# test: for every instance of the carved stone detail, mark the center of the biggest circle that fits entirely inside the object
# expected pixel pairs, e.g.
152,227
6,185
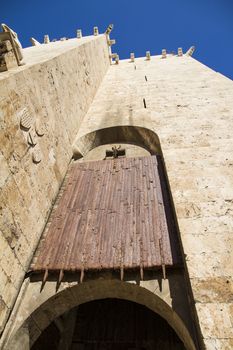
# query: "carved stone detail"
32,141
7,56
33,129
25,119
36,155
9,34
39,127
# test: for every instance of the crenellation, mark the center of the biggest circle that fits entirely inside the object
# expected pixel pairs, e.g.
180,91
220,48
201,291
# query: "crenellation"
180,51
148,55
117,59
79,33
95,31
132,57
164,53
46,39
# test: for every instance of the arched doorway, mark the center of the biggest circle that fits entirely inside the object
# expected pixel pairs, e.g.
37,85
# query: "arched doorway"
130,134
44,308
109,324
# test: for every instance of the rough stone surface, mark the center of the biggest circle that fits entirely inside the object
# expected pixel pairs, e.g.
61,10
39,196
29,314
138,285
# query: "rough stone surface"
46,93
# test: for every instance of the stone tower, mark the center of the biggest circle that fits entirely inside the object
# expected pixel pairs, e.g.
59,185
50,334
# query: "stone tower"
116,198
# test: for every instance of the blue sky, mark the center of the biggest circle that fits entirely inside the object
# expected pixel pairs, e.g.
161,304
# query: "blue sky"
139,25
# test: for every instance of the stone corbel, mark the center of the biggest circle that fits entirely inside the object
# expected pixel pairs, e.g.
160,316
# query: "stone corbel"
111,42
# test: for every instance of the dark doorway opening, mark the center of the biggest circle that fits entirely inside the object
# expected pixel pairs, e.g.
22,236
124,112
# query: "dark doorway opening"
109,324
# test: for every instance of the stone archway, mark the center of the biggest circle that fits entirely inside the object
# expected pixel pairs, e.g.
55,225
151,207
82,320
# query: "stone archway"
109,324
131,134
56,305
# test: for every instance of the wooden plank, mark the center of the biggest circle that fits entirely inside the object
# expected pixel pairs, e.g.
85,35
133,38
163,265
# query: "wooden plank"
112,214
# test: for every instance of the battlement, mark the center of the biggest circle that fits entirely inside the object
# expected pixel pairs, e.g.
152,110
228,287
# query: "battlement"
41,52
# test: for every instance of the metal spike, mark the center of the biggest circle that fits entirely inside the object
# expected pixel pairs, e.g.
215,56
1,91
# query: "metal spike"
122,273
46,273
61,275
141,272
82,275
164,271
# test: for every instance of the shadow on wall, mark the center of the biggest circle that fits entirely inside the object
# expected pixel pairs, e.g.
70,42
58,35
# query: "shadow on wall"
135,135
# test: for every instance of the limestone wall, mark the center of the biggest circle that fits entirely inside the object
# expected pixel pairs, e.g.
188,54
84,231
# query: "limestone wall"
190,107
50,94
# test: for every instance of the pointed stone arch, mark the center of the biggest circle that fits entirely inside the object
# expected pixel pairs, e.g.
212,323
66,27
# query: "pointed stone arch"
56,305
131,134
